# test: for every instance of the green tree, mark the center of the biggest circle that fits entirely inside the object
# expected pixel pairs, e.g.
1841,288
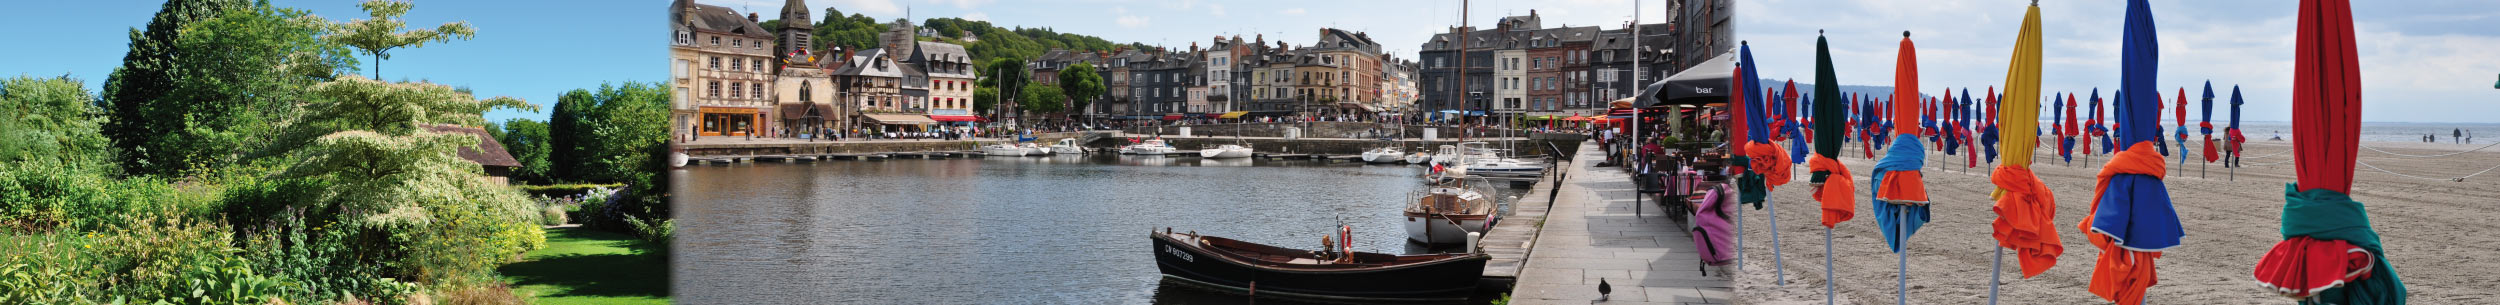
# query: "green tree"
52,121
147,74
239,77
984,99
1010,76
1081,85
566,135
1043,99
527,141
376,171
379,35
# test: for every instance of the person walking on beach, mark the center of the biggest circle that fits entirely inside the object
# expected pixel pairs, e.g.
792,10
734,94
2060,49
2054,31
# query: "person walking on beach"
2458,135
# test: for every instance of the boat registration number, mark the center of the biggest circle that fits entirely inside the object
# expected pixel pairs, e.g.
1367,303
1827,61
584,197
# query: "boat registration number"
1176,252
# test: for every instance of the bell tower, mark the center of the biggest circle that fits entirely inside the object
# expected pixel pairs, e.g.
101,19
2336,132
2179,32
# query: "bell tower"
795,30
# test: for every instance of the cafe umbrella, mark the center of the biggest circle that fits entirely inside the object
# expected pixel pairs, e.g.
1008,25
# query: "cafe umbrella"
2329,253
1900,195
2132,220
1832,185
2026,210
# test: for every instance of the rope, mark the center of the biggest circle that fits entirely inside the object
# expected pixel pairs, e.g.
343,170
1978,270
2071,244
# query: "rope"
2479,173
2430,156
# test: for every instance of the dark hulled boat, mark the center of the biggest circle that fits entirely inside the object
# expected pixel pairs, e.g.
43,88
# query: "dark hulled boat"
1263,270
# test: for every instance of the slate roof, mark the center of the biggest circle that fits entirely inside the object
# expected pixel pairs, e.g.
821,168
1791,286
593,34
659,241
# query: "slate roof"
720,19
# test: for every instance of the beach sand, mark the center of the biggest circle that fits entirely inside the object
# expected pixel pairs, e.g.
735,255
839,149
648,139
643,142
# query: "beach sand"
2437,233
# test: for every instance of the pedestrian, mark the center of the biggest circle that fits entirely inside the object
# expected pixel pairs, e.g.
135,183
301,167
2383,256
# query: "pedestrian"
2458,134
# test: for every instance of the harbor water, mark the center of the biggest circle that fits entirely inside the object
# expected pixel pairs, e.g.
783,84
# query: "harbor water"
1008,230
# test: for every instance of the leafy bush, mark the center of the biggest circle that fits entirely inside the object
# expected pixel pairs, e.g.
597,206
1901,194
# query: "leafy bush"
551,215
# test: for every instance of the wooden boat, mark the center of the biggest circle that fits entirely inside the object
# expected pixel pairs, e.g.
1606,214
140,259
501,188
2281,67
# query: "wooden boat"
1263,270
1445,214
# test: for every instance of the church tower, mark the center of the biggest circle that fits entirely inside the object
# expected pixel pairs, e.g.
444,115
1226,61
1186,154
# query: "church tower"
795,31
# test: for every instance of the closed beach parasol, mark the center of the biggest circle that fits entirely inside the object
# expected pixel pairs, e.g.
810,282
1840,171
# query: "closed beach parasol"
2206,127
2132,218
2231,134
2073,129
1832,185
1900,203
2182,111
1988,124
2329,254
1761,160
1796,129
2065,145
2026,211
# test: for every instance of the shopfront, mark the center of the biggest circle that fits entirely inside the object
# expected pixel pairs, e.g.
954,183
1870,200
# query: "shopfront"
729,121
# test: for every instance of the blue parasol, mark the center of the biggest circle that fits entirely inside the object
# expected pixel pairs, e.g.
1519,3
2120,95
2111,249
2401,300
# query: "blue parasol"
2132,217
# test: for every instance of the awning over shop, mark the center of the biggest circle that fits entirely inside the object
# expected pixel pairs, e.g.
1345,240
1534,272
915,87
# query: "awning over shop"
954,118
803,111
1702,84
1171,117
900,119
1233,115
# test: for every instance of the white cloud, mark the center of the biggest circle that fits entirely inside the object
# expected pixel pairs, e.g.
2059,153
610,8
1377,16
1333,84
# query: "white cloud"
1294,11
1215,8
882,7
977,16
1131,21
962,4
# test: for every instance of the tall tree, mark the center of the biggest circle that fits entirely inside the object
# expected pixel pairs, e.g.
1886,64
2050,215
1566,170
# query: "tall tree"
1081,85
565,134
379,35
147,72
526,140
228,79
1009,75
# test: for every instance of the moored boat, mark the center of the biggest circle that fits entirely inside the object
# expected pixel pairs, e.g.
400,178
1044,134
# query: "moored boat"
1418,157
1148,147
1066,146
1226,151
1384,155
1031,149
1333,274
1445,214
1002,149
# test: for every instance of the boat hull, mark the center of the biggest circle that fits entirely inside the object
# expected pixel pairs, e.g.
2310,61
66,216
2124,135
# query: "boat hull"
1381,158
1433,230
1446,279
1003,151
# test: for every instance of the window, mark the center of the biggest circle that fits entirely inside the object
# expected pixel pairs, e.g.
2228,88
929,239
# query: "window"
715,89
715,62
759,64
715,41
737,42
759,90
737,90
737,65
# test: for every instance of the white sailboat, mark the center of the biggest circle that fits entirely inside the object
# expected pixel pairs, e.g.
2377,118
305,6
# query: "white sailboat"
1148,147
1418,157
1226,151
1384,155
1002,150
1067,146
1031,149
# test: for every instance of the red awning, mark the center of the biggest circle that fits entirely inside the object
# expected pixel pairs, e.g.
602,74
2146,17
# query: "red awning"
1171,117
954,118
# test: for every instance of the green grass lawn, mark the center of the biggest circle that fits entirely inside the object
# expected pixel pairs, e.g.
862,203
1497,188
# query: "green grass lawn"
582,266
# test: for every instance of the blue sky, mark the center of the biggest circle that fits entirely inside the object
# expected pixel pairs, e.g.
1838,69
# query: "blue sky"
1399,25
2421,61
533,50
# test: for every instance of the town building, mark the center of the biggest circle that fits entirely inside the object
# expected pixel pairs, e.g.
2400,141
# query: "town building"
948,76
719,71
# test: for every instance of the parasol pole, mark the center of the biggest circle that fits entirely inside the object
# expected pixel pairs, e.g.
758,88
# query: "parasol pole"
1901,227
1827,266
1996,273
1779,266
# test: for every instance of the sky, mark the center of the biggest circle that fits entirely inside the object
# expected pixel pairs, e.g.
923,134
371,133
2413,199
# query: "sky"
533,50
1400,26
2421,61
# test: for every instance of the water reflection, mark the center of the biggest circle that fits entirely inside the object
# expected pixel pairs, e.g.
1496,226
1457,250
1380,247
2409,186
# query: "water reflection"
1057,229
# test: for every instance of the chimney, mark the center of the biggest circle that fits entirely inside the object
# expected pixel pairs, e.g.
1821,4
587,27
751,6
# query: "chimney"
751,17
1193,47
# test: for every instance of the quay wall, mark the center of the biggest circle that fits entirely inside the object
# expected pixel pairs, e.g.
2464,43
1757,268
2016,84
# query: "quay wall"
828,148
